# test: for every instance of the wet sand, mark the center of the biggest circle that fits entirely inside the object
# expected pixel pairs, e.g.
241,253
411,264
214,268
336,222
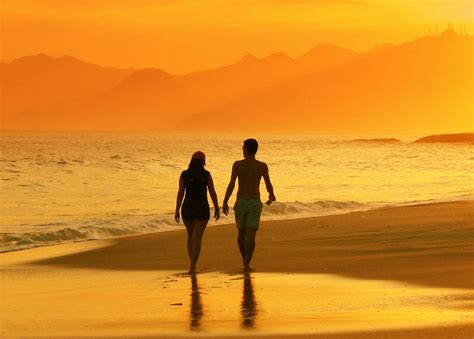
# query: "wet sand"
402,272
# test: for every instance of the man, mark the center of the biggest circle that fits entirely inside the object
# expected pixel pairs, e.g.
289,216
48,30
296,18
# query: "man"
248,206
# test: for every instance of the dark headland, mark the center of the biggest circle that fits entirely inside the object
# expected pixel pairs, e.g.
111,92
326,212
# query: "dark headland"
448,138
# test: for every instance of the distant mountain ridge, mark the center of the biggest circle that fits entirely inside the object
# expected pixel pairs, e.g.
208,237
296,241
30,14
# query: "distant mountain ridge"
409,88
38,90
328,89
43,92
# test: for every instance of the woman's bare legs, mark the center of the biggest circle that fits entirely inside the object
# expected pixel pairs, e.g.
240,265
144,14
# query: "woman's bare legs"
199,226
189,228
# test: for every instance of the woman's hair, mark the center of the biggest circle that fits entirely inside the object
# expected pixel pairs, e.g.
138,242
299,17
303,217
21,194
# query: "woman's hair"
196,165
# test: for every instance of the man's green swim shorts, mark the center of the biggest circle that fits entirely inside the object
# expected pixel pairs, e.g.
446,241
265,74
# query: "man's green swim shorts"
247,213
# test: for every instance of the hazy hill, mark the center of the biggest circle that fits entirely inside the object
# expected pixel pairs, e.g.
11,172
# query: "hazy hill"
148,99
424,85
323,56
420,86
249,74
381,48
40,91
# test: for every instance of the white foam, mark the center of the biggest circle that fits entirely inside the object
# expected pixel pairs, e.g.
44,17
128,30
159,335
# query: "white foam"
117,225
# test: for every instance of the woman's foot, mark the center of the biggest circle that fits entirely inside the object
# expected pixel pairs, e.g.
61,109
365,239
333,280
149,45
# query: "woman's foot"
249,269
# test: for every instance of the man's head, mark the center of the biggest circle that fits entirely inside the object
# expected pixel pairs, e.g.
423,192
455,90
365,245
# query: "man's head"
250,147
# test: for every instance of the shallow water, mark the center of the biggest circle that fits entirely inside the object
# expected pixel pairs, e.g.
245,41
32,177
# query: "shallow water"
59,187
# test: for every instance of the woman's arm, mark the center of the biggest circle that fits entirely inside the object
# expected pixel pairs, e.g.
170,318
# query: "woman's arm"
179,198
213,195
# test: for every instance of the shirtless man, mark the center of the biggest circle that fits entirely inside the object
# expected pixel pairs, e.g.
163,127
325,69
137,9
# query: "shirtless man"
248,206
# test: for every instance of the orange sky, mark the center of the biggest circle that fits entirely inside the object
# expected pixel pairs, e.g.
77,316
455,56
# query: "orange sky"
181,36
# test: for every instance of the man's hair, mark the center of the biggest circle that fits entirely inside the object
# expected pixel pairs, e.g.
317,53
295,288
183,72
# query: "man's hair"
251,145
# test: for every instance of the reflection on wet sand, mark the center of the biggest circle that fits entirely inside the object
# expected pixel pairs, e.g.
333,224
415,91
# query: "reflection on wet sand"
248,307
196,305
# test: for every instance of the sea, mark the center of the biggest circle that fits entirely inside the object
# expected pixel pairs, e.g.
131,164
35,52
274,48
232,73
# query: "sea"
67,187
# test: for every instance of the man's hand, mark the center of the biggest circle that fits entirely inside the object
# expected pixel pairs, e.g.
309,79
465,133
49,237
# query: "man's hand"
225,208
176,216
271,197
217,214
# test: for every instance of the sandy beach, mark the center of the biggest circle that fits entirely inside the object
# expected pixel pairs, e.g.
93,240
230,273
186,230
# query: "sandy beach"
402,272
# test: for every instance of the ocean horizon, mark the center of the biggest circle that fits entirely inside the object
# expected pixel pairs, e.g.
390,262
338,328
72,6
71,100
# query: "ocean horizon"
61,187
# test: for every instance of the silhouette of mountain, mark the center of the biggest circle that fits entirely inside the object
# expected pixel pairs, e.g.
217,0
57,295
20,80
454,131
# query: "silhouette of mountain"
448,138
212,88
39,91
42,92
450,33
148,99
412,88
408,88
381,48
323,56
218,86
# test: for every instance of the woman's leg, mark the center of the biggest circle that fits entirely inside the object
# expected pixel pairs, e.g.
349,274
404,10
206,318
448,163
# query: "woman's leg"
198,231
189,228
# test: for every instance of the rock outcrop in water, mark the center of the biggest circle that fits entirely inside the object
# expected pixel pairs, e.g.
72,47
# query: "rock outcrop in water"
448,138
378,141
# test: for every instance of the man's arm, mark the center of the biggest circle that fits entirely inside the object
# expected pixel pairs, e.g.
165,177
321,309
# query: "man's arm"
268,183
230,189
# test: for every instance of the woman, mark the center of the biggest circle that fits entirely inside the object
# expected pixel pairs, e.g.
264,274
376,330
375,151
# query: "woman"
195,210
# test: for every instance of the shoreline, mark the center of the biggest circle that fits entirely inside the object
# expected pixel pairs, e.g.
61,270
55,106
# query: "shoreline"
180,227
399,272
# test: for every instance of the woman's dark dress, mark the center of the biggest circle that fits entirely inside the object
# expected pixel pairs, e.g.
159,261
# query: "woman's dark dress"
195,205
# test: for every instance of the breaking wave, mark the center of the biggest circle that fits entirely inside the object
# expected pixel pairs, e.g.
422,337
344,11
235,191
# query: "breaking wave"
118,225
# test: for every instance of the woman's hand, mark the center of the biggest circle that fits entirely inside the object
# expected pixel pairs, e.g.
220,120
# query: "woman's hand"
217,214
176,216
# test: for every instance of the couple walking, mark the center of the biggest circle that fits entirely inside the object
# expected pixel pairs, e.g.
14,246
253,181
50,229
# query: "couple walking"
193,186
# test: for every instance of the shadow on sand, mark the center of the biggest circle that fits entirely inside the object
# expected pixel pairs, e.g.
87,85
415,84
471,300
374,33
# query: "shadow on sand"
249,306
196,312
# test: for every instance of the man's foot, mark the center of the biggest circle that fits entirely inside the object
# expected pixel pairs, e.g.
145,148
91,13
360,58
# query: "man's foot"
194,270
249,269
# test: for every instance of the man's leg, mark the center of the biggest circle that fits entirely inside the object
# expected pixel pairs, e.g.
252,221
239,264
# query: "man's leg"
241,241
249,248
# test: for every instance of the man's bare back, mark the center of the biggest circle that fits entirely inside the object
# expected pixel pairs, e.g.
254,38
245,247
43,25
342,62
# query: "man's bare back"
249,172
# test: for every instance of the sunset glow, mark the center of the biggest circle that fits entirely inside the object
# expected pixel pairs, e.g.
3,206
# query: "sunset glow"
180,36
237,168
